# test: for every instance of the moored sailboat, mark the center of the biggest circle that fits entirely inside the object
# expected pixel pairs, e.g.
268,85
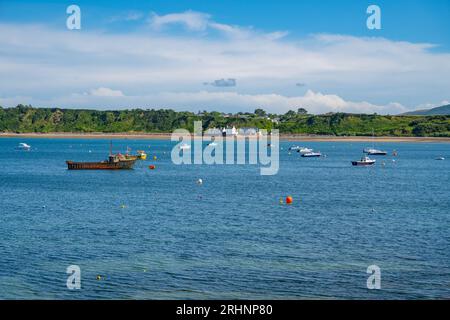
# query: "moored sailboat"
372,151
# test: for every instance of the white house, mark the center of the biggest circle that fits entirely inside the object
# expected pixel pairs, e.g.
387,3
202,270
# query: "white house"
229,131
213,132
246,131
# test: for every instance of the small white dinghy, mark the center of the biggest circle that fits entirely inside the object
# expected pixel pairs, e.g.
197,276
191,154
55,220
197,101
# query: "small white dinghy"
23,146
185,146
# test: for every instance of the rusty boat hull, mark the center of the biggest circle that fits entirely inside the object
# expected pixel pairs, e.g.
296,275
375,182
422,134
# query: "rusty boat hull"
112,164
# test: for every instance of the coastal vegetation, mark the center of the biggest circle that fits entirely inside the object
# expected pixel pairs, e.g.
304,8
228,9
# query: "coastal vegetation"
27,119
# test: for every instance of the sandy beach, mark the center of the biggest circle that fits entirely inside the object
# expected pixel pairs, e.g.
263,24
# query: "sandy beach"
163,136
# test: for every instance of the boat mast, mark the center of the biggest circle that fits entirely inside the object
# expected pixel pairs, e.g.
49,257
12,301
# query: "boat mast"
373,139
110,147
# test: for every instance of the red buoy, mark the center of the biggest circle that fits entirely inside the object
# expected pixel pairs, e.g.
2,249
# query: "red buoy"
289,200
152,167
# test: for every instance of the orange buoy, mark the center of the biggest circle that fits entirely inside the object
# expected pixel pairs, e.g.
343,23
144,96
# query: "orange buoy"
289,200
152,167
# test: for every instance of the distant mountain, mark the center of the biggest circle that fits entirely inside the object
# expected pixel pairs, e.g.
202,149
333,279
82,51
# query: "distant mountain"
443,110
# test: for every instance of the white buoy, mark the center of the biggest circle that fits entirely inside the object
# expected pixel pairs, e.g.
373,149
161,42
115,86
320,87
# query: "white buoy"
199,181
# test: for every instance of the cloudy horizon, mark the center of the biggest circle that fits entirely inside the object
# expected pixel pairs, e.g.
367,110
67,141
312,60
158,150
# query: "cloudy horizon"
191,60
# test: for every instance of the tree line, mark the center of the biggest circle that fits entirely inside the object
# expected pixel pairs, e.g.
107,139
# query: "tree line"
26,119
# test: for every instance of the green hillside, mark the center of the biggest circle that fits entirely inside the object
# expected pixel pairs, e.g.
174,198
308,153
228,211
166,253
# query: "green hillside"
26,119
443,110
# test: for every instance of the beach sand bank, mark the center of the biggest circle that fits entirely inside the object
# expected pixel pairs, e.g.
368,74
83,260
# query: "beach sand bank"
167,136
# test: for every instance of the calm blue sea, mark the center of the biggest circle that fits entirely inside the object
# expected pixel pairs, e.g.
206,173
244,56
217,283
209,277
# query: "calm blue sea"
156,234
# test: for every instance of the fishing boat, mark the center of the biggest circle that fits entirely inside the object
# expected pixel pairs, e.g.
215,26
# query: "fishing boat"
365,161
141,155
114,162
23,146
311,155
130,157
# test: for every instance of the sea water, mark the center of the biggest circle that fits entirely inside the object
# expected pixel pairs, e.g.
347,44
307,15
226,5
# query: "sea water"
157,234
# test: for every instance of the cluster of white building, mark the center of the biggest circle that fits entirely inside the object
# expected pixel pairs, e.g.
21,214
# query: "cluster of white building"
246,131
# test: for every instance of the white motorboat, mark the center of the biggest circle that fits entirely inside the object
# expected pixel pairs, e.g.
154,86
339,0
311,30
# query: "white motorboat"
311,154
365,161
300,149
305,150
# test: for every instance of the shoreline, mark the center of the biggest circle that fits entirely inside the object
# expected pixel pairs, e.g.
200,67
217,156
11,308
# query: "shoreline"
167,136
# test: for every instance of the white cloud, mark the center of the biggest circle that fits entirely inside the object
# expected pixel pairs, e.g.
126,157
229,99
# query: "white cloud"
277,35
151,66
314,102
127,16
431,105
198,21
192,20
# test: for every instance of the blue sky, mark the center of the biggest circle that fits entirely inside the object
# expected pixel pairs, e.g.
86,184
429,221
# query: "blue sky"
408,20
278,54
